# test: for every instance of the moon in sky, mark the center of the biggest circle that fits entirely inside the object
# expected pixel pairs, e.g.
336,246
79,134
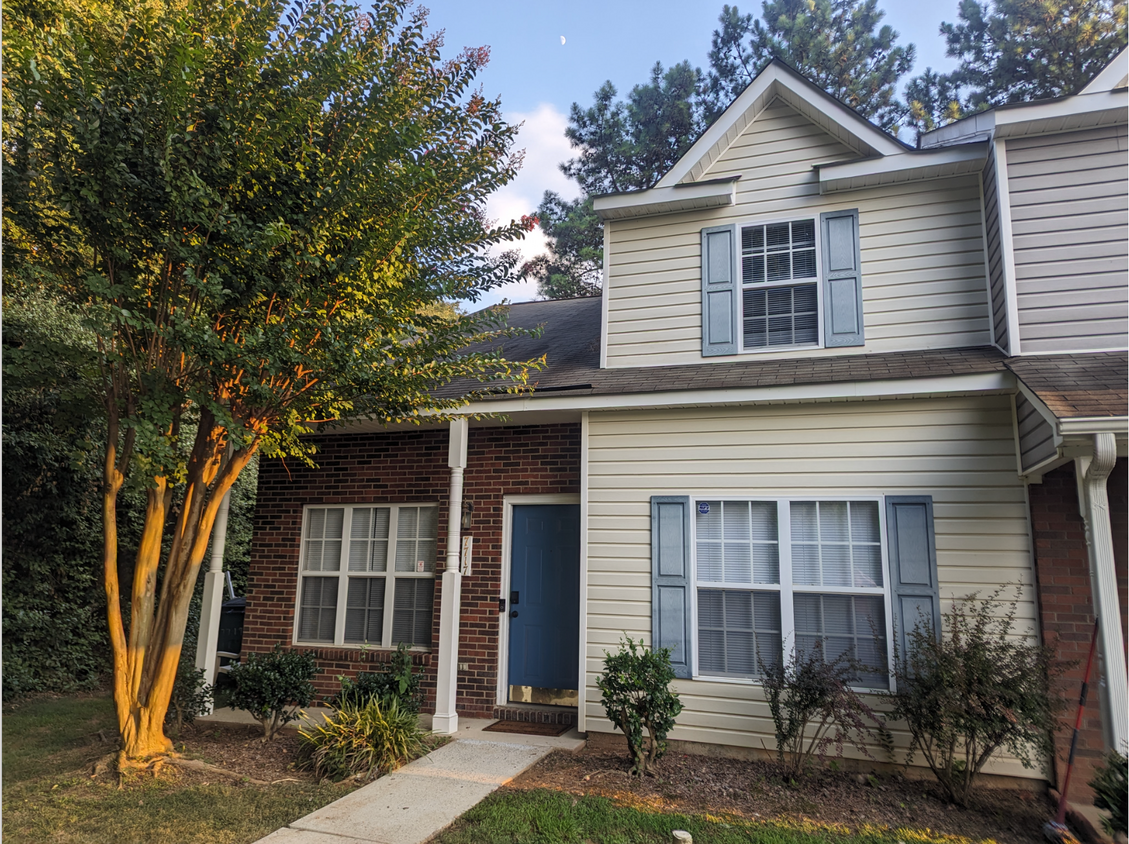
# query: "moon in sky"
562,39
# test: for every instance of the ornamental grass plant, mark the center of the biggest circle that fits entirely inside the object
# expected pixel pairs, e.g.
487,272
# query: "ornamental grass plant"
361,740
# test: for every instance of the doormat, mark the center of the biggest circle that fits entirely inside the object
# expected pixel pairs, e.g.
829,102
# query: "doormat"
528,728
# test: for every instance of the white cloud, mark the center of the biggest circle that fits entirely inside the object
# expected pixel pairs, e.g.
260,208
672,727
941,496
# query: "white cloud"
543,139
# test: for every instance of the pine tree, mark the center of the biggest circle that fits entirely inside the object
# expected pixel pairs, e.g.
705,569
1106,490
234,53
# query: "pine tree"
1014,51
837,44
621,146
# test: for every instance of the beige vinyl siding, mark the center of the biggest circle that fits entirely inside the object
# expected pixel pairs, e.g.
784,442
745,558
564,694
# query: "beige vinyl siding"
1036,436
996,282
922,251
961,451
1070,230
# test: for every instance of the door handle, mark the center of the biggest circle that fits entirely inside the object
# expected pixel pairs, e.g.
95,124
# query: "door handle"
513,614
513,598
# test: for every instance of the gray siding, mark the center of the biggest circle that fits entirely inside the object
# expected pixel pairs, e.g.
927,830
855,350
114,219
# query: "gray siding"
997,285
1070,230
1036,436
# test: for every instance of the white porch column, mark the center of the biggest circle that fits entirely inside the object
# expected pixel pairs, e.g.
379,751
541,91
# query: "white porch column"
1092,475
208,640
446,719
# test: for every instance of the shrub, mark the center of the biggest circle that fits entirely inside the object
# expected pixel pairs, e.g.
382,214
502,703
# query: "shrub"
978,688
273,687
191,696
361,740
636,691
814,709
1110,785
396,682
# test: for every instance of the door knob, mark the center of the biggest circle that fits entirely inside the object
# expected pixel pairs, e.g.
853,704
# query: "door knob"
513,614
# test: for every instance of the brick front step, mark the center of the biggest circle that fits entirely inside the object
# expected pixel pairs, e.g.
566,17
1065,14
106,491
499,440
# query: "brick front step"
536,714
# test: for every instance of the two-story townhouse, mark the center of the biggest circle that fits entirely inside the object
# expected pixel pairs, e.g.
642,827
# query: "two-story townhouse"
791,416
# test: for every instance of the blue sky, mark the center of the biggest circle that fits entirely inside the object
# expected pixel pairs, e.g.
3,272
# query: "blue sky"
538,78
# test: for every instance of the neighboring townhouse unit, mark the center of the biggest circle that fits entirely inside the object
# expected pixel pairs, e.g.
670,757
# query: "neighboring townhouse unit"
832,384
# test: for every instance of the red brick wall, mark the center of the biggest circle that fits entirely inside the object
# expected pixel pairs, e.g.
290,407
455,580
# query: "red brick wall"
389,468
1066,604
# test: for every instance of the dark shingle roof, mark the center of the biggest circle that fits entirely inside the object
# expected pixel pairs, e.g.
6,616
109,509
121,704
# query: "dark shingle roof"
1079,385
1071,385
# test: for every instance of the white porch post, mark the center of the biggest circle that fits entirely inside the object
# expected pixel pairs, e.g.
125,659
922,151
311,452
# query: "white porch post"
446,719
207,643
1094,500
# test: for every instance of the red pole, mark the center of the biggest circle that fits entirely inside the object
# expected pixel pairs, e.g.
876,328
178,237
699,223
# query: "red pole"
1077,726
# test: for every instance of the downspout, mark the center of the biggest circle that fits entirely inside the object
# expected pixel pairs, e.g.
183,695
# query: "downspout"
1092,474
207,641
446,719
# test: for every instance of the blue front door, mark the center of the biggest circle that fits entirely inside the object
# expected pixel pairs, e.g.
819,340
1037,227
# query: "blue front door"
545,597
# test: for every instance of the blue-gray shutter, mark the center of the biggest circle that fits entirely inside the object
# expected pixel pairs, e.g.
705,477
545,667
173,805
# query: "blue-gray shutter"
842,279
670,579
913,565
719,291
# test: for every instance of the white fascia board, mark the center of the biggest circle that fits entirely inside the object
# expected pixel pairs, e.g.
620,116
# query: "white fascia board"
1112,76
1020,119
667,200
942,385
776,74
905,167
1089,425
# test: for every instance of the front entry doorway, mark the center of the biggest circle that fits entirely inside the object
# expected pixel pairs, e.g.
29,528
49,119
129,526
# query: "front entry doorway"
544,604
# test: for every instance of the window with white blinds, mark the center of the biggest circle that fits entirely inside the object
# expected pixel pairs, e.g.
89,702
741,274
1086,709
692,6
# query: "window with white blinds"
779,574
779,285
367,575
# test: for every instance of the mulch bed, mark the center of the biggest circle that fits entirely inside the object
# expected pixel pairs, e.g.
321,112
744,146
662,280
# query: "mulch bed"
241,750
755,790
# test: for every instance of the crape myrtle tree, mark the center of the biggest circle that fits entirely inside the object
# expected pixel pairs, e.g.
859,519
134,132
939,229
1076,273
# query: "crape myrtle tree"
253,202
1013,51
840,45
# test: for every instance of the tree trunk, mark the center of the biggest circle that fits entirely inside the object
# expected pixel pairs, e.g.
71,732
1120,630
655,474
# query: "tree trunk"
146,662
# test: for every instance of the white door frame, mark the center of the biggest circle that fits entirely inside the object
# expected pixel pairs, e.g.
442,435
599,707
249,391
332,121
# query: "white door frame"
508,502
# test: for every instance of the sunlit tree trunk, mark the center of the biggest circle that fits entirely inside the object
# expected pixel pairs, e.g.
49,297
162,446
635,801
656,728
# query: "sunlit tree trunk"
145,658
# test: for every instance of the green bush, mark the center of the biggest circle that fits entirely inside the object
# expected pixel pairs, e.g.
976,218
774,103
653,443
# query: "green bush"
814,709
1110,786
396,682
273,687
982,686
362,741
636,691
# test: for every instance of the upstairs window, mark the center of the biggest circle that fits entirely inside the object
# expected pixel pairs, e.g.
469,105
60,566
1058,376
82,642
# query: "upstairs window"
776,311
367,575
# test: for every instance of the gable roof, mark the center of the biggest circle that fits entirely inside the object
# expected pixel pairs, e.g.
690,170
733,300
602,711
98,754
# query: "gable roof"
1094,384
778,81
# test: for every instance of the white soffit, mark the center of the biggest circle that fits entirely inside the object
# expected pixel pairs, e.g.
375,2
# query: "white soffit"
667,200
905,167
777,80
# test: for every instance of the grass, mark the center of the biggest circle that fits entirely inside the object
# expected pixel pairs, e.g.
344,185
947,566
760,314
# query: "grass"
49,797
551,817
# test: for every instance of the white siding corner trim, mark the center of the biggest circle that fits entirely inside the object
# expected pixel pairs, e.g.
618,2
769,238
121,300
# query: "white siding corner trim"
1007,253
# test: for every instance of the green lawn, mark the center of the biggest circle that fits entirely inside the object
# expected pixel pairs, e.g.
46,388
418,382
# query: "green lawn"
49,797
551,817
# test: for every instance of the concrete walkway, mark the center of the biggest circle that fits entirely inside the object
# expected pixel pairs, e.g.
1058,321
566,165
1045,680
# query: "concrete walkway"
412,804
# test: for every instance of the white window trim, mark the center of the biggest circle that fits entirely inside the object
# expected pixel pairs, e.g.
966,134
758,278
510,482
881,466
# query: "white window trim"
814,215
343,574
787,613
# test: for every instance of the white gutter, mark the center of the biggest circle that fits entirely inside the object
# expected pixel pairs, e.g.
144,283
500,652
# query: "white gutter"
907,167
982,382
1093,500
1086,425
667,200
